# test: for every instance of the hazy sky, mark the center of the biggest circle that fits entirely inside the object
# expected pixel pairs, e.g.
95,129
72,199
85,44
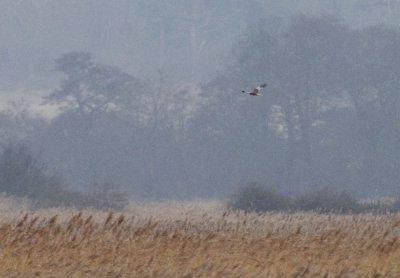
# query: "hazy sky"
191,40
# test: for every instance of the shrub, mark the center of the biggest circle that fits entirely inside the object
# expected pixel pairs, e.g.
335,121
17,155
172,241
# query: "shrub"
23,175
106,195
326,200
395,206
257,197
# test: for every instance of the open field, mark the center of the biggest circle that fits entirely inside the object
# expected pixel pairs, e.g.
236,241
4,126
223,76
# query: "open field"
196,239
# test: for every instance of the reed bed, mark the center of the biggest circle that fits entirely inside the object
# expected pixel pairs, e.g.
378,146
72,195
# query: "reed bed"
197,240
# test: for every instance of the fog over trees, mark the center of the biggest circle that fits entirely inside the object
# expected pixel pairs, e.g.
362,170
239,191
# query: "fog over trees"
148,95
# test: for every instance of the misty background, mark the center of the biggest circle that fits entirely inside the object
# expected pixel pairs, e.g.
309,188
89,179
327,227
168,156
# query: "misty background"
144,96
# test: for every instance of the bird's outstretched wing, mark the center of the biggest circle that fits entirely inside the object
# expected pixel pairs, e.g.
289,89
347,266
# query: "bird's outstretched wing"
260,87
256,91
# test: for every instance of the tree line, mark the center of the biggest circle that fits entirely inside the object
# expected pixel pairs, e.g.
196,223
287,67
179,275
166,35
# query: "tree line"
328,118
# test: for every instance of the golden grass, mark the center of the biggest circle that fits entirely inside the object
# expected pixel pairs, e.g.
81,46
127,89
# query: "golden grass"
197,240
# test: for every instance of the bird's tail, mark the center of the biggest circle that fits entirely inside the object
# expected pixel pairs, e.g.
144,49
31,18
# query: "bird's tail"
243,92
263,85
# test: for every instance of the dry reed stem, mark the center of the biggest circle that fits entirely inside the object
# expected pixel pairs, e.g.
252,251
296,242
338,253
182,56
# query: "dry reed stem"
195,243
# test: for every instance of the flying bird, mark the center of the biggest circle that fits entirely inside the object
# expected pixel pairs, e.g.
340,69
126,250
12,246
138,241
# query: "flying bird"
256,91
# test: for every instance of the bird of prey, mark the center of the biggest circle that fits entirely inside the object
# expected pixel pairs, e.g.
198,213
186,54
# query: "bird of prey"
256,91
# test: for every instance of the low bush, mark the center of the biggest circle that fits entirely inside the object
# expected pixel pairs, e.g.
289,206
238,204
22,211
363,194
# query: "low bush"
395,206
23,175
106,195
326,200
258,197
